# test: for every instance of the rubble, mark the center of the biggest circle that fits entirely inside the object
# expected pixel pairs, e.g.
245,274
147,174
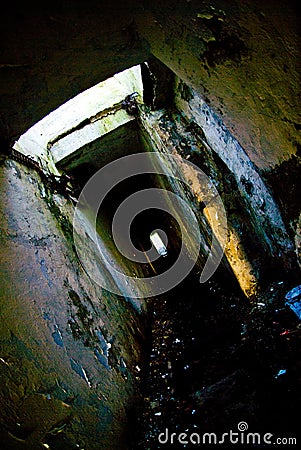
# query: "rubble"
213,372
293,298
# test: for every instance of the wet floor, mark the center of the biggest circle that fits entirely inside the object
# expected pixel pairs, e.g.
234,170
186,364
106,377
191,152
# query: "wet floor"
217,360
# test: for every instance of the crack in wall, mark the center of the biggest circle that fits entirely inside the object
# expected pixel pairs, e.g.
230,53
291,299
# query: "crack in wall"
86,122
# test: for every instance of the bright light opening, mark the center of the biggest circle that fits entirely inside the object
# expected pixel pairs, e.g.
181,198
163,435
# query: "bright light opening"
83,119
158,243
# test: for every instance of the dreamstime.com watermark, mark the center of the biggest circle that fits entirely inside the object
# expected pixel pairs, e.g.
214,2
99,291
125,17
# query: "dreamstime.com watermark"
182,173
240,437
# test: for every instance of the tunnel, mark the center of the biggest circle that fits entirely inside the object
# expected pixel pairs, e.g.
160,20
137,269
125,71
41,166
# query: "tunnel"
150,225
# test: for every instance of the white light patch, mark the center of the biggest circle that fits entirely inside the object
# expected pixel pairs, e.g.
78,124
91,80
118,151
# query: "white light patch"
64,120
158,243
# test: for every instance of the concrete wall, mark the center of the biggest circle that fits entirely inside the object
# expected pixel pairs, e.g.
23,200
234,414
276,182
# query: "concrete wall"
52,52
68,348
241,57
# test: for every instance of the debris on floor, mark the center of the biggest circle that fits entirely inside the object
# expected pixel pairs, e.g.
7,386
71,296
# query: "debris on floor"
206,374
293,298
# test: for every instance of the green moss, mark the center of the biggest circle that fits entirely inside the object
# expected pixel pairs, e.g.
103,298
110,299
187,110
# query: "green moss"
63,222
186,92
82,311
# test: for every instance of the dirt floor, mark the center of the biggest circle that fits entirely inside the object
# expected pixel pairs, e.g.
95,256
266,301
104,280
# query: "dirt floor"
218,360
